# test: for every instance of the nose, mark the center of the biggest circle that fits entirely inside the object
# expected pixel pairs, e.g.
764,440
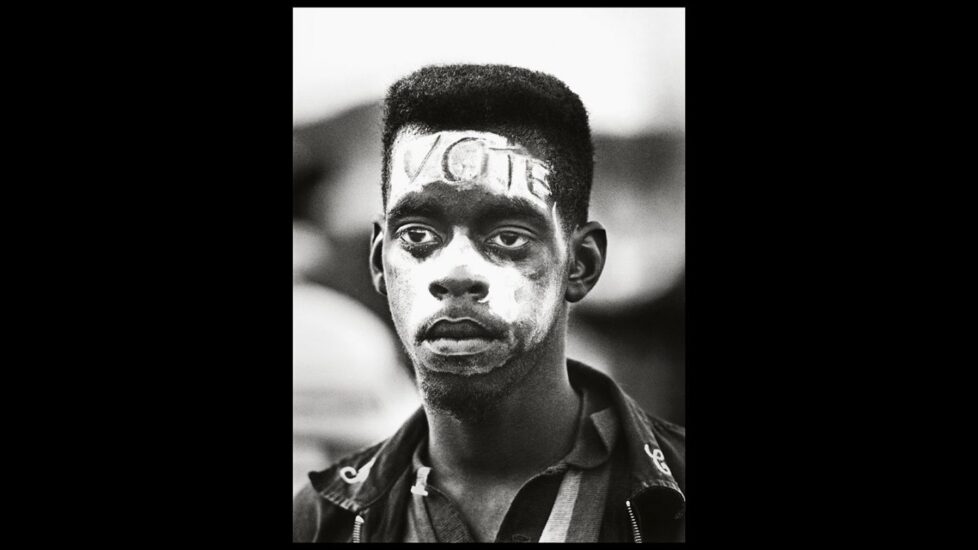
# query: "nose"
459,284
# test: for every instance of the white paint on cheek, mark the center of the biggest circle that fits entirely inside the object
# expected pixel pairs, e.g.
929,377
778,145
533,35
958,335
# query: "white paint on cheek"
423,304
505,300
514,297
504,284
538,308
456,258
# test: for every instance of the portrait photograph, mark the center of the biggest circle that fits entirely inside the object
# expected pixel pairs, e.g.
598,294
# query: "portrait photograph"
489,268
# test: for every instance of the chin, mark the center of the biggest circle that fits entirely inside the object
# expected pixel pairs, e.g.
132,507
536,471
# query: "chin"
484,359
467,387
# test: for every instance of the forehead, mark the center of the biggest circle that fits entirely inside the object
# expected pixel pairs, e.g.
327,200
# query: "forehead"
467,162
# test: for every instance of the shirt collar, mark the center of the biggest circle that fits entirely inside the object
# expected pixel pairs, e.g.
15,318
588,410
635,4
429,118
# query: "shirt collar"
597,433
359,481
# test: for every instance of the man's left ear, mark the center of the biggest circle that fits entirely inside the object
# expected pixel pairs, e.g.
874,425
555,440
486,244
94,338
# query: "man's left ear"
588,248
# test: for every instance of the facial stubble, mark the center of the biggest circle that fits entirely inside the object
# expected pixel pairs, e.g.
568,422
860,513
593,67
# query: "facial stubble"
471,398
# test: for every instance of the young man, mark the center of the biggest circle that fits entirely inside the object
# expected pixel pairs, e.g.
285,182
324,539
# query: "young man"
484,244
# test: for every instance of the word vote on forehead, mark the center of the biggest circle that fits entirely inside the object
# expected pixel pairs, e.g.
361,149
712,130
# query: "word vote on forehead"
470,159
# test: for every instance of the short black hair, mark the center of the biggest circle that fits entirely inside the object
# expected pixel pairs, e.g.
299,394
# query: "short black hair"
532,108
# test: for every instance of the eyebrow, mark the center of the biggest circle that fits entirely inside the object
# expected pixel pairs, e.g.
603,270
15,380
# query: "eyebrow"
415,204
514,207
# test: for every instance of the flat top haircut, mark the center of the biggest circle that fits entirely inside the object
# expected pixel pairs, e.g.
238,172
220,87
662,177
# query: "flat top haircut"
531,108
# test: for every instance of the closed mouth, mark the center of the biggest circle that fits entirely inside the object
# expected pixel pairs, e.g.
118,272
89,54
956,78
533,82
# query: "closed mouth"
459,337
461,329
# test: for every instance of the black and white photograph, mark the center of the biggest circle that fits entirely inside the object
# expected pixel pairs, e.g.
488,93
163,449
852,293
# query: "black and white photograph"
489,274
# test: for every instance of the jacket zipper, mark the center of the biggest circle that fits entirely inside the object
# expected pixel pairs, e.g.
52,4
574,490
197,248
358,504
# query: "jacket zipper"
357,528
636,534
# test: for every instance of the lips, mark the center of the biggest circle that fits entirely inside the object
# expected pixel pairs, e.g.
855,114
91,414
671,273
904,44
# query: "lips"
458,330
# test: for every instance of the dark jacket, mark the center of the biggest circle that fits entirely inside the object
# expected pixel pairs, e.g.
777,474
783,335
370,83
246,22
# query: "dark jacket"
363,497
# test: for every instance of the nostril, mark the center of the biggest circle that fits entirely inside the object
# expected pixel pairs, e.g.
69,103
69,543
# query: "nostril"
479,289
459,287
437,290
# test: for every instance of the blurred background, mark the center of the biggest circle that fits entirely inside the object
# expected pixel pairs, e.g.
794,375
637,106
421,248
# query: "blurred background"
351,381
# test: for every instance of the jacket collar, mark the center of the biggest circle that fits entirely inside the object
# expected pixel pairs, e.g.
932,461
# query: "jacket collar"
651,477
357,482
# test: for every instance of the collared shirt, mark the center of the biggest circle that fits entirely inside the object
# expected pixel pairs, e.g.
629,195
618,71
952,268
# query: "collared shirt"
364,497
564,502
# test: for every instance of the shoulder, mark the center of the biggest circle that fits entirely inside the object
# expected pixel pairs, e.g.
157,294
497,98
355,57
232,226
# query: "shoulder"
669,431
306,505
316,518
307,514
672,440
346,469
671,436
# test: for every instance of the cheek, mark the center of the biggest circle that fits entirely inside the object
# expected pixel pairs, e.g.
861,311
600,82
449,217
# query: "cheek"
407,289
507,295
528,298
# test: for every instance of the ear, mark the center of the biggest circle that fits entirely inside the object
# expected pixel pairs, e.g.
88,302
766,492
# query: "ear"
377,259
588,249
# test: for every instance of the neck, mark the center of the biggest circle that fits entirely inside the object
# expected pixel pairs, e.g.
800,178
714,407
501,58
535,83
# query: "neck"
532,427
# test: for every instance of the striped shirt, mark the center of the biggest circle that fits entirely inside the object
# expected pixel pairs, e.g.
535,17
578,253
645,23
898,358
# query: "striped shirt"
563,503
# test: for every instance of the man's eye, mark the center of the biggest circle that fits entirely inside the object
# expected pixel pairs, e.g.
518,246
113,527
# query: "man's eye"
417,235
508,239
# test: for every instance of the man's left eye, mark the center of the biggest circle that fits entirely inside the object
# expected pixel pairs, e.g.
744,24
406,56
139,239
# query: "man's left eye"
508,239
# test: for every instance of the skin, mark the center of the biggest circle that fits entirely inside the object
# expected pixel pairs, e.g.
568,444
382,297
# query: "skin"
471,234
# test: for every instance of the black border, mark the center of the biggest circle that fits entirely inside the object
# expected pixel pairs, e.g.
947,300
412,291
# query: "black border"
773,448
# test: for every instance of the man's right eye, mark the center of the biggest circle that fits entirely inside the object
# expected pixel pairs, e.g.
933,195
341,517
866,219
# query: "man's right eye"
418,235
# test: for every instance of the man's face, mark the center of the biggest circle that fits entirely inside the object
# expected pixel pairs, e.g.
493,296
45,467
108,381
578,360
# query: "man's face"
474,261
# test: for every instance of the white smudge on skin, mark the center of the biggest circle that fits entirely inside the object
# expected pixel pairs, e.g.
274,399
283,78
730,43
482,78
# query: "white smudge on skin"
418,159
514,296
458,258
